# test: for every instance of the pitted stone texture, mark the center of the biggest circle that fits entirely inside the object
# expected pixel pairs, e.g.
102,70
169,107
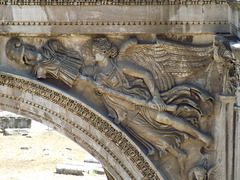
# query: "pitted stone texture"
15,122
115,19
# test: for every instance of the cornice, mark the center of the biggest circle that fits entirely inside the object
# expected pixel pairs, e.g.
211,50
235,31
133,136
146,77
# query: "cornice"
110,23
108,2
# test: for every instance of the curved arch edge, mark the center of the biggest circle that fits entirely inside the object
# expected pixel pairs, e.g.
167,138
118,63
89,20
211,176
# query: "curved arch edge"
22,105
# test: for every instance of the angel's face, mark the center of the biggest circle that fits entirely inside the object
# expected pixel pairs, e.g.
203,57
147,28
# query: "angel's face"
99,57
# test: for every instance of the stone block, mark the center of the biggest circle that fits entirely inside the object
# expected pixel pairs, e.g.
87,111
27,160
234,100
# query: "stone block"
79,168
15,122
90,159
15,132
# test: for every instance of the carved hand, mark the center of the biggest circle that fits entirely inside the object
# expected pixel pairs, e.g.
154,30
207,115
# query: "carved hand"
161,106
159,103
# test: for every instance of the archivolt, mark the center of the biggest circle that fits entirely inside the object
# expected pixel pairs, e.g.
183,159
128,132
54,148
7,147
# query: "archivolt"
69,116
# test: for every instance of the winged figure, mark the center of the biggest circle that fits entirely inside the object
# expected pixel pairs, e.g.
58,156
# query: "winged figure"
137,87
141,71
167,60
201,172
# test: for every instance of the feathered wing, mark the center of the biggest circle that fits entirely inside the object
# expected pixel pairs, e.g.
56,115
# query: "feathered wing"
144,55
215,172
166,59
185,60
86,53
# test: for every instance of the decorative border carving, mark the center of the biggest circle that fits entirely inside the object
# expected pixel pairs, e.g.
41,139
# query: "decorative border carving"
65,129
110,23
108,2
84,113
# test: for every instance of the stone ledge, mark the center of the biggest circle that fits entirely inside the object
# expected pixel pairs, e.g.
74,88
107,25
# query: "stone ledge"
109,2
109,23
91,28
114,19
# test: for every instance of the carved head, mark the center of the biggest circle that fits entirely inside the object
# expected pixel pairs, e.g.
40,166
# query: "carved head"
15,50
21,53
104,47
198,173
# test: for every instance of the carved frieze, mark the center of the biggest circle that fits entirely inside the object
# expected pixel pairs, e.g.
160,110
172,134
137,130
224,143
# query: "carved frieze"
106,19
137,85
111,23
107,2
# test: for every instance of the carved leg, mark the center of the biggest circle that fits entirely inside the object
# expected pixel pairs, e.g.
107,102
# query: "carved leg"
180,155
182,125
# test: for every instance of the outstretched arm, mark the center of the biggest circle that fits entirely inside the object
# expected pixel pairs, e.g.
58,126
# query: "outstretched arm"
139,72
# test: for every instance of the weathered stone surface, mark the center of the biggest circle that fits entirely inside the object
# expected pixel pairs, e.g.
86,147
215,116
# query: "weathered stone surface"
79,168
204,52
107,2
70,169
114,110
90,159
15,122
209,18
15,132
76,126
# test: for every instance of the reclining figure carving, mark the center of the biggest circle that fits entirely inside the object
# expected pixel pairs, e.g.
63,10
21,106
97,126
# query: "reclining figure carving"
136,85
53,59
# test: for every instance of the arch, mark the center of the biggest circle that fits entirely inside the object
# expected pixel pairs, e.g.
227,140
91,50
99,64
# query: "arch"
122,158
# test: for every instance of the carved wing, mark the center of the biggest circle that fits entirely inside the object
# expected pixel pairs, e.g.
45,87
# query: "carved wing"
86,52
215,172
166,59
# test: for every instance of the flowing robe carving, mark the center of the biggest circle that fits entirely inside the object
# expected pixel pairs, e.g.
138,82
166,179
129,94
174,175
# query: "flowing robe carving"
53,59
59,62
138,120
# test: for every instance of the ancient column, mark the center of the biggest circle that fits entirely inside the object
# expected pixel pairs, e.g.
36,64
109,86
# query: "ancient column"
226,139
225,124
235,49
